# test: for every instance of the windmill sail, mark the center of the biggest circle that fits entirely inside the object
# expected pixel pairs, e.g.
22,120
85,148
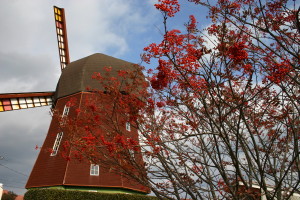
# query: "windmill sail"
62,40
16,101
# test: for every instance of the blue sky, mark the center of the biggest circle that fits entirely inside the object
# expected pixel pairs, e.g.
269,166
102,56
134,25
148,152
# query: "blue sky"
29,60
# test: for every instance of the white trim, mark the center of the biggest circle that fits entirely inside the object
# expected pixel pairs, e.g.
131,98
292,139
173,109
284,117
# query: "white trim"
66,110
128,126
131,153
56,144
94,170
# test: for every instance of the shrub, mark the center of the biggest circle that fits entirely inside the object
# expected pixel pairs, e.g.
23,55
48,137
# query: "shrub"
9,196
59,194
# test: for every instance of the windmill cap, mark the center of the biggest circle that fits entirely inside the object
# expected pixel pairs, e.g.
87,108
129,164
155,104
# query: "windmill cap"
77,76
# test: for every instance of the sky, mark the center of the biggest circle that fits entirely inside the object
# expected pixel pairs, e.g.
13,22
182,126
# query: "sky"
29,61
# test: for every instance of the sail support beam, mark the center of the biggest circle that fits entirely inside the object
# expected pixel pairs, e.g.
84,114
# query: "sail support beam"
17,101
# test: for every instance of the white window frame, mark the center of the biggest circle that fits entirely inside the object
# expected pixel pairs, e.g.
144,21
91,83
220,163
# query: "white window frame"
94,170
66,110
57,143
131,154
128,128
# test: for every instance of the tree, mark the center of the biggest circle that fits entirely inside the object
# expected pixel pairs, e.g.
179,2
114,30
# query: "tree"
9,196
221,117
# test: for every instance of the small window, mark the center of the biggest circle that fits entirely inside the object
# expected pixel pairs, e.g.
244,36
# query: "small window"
127,126
94,170
56,144
131,153
66,110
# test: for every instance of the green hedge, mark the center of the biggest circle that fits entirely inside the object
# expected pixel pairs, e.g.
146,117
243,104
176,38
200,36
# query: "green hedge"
56,194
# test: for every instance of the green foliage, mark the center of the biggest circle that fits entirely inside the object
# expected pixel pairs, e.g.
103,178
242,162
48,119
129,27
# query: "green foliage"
56,194
9,196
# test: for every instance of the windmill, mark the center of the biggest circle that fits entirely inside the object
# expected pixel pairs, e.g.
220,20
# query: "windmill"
51,170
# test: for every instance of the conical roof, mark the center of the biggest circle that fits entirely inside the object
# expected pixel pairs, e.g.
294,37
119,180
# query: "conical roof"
77,76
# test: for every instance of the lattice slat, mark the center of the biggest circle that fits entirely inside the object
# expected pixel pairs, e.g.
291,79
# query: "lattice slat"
62,40
16,101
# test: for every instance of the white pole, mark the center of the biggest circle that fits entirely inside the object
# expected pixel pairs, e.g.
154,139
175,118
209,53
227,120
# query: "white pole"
1,190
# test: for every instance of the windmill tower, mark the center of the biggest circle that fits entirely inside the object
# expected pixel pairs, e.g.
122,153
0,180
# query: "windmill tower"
50,169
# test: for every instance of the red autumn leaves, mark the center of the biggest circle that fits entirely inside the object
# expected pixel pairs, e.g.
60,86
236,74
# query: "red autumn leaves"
182,51
170,7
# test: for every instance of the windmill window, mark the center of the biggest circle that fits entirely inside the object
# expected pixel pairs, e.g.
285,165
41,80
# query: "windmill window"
56,143
131,153
127,126
66,110
94,170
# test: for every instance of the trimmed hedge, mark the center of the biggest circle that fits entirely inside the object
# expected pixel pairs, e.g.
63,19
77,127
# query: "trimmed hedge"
57,194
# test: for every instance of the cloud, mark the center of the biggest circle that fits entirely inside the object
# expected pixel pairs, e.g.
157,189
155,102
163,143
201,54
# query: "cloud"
27,72
108,24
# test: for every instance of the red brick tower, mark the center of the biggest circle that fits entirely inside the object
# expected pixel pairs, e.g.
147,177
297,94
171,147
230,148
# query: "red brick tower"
50,169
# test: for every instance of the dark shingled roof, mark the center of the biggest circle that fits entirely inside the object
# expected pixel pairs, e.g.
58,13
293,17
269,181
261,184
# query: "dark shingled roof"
76,77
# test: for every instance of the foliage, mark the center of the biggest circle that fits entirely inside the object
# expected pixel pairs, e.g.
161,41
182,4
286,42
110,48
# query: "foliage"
222,114
53,194
9,196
